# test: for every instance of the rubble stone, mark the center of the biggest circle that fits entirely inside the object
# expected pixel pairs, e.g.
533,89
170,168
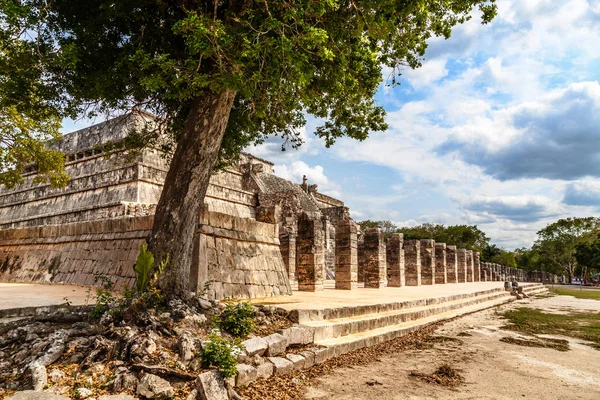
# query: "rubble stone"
154,387
33,395
211,386
246,374
281,366
254,346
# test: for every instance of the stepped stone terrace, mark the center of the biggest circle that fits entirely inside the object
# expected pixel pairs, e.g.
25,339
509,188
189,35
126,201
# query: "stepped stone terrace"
259,235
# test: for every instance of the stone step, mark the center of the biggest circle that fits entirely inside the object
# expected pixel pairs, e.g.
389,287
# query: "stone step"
305,316
332,328
355,341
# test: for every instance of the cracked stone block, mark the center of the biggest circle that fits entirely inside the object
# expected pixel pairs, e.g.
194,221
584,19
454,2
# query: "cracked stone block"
246,374
277,343
309,358
297,360
255,346
211,386
265,370
299,335
281,365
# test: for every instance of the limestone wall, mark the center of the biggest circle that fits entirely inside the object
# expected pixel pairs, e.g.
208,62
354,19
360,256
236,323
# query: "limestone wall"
238,258
73,253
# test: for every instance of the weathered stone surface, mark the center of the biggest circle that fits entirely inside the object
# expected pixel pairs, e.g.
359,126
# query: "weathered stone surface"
33,395
374,259
395,260
125,381
265,370
461,265
476,266
309,358
246,374
211,386
427,262
299,334
346,255
255,346
440,264
451,264
281,366
83,393
412,262
470,270
39,378
277,343
297,359
310,256
187,346
154,387
122,396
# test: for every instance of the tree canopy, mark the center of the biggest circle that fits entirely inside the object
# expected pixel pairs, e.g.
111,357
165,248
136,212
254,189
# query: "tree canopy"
219,75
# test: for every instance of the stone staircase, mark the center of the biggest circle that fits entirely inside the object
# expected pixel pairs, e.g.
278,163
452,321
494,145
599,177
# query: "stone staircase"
349,328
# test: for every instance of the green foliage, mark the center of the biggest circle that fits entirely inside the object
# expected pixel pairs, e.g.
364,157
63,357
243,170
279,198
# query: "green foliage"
557,244
462,236
219,352
146,272
584,326
283,59
579,293
22,144
105,299
237,319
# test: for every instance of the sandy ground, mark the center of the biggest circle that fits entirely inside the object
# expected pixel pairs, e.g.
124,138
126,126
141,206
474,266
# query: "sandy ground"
17,295
492,369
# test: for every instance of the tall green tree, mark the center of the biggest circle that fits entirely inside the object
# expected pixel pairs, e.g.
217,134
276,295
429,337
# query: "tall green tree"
219,74
557,243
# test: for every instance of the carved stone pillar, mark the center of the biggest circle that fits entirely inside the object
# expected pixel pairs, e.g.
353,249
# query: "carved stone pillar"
462,265
451,264
412,262
470,272
346,255
310,255
395,260
440,263
375,263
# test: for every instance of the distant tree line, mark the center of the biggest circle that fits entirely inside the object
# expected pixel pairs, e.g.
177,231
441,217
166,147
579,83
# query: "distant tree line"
569,246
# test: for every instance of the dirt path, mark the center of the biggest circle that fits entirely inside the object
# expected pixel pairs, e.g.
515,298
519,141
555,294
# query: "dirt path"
492,369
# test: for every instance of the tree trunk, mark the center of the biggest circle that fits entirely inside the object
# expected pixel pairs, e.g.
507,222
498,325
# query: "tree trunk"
178,210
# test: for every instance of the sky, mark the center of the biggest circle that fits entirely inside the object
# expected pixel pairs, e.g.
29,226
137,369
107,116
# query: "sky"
499,128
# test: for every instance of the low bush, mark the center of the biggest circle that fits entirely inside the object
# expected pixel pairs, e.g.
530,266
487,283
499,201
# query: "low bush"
237,319
219,352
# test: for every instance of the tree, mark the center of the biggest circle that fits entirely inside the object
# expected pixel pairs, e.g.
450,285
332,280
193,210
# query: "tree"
386,227
587,255
557,243
219,75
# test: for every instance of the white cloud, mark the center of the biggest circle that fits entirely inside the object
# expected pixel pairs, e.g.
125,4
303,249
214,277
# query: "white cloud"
296,170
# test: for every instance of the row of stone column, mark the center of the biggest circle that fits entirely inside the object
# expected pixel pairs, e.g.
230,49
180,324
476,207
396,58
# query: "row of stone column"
380,262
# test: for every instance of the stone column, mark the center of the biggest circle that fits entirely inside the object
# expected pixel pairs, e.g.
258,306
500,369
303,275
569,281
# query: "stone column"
427,262
287,247
440,263
361,257
451,264
461,255
412,262
346,255
395,260
470,273
477,266
375,263
310,253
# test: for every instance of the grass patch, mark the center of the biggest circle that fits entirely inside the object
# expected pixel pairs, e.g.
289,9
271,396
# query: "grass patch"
445,375
584,326
592,294
556,344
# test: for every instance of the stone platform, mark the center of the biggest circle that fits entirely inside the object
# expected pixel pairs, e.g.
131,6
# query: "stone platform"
342,321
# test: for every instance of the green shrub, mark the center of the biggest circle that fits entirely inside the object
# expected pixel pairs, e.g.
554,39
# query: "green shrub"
237,319
219,352
104,297
146,273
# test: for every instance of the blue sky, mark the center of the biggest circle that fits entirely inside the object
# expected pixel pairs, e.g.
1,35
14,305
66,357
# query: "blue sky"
500,128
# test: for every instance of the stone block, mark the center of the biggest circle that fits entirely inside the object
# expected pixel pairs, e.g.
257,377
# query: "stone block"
281,366
265,370
246,374
395,260
309,358
412,262
299,334
277,343
211,386
427,262
297,359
